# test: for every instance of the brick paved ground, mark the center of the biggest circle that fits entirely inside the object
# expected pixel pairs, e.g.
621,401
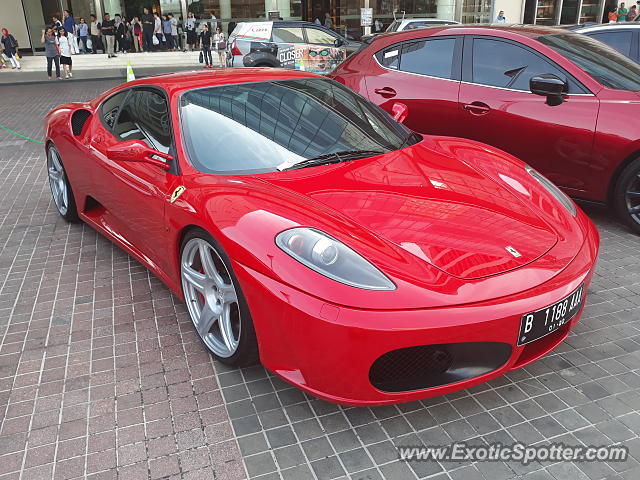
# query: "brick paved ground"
101,374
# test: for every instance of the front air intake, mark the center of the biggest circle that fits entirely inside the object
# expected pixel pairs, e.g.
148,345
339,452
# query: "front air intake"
78,119
427,366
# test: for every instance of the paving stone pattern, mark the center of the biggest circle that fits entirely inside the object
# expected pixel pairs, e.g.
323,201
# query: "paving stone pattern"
102,375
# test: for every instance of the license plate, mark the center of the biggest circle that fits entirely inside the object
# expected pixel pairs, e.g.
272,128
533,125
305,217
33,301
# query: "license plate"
542,322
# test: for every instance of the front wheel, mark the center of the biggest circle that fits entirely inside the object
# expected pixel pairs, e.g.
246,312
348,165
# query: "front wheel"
215,301
60,188
627,195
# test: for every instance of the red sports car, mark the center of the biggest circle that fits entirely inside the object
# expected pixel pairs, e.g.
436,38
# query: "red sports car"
560,101
307,229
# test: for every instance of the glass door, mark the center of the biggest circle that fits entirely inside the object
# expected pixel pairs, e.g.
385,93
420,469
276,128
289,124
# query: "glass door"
546,12
590,10
569,14
476,11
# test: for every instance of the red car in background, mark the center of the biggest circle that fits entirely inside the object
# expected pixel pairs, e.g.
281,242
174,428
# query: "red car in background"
562,102
307,229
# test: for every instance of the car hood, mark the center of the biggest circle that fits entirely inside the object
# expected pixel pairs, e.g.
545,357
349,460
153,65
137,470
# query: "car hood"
432,205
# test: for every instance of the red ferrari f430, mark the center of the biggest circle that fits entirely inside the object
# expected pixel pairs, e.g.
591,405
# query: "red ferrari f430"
306,229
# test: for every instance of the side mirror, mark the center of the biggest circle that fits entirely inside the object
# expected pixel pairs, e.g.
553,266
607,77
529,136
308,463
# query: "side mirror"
138,151
400,112
338,42
550,86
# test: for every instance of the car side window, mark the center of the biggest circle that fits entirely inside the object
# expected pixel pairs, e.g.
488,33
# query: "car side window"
111,107
433,57
389,57
317,36
621,41
416,25
145,116
502,64
287,35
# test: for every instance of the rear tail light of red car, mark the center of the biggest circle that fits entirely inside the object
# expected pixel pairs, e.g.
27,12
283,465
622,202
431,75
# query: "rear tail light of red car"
234,49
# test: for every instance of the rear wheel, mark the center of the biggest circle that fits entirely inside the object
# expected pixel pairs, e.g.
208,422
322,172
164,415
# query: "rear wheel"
215,301
627,195
60,187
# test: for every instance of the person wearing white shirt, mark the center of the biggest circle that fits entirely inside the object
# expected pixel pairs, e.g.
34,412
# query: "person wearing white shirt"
501,18
66,47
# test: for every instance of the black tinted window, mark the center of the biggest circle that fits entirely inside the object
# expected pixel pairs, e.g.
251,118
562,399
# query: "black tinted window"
145,116
111,107
429,57
502,64
621,41
604,64
267,126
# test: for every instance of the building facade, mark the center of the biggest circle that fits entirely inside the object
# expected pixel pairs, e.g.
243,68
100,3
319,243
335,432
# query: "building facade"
26,18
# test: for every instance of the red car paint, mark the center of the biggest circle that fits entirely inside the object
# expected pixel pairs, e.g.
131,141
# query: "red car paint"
435,217
581,145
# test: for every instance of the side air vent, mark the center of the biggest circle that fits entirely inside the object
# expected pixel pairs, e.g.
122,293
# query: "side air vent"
78,119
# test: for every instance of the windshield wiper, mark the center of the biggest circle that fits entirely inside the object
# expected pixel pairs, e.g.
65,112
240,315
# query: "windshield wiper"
333,157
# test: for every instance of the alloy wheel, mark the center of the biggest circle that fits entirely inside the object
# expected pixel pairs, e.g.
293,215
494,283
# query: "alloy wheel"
211,297
57,181
632,198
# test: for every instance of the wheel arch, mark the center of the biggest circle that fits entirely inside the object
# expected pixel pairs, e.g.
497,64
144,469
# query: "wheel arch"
617,172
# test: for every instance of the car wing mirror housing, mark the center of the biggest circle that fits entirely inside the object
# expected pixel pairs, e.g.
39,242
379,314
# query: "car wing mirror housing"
138,151
399,112
550,86
338,42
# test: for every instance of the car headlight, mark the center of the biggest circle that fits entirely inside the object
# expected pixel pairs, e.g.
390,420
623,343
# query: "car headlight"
331,258
553,190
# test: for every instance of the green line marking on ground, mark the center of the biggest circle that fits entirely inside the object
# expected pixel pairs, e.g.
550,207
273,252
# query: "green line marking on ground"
2,127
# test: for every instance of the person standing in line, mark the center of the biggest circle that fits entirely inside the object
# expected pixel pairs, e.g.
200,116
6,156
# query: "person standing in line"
328,23
136,34
192,37
108,33
10,46
205,45
166,31
174,30
55,22
65,46
51,51
622,13
157,29
220,45
83,32
118,30
147,30
69,24
94,31
501,18
633,13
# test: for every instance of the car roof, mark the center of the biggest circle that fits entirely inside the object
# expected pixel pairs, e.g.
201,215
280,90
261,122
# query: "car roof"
285,23
609,26
189,80
529,31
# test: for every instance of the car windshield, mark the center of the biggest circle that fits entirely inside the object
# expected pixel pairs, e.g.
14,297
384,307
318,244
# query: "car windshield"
602,62
394,26
269,126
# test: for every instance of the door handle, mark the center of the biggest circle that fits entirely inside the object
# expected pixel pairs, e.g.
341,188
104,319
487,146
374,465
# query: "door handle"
386,92
477,108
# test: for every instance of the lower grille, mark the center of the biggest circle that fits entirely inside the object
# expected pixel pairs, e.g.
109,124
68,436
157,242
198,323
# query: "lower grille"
426,366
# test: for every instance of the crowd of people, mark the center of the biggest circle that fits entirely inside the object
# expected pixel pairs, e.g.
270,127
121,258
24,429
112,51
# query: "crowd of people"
623,14
149,32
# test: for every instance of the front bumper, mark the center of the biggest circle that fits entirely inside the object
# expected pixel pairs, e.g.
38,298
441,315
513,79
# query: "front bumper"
328,350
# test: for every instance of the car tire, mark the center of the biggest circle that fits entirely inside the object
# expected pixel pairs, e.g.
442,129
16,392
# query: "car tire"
627,195
61,190
211,287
